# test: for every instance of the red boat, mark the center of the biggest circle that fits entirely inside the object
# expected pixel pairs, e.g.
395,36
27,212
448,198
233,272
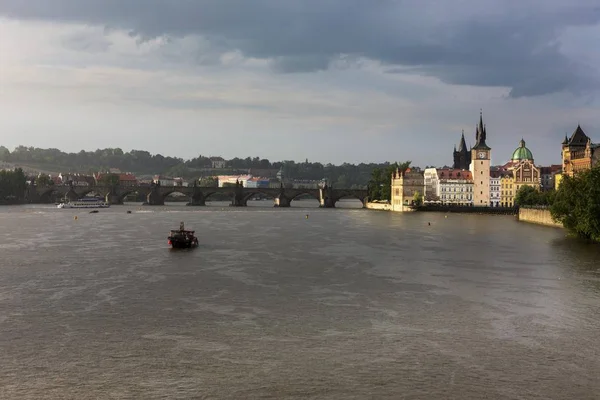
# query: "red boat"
182,239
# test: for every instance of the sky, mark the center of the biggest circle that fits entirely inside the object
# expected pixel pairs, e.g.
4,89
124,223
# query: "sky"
325,80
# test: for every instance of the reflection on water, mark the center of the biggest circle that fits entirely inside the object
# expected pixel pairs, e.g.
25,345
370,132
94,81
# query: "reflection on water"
344,304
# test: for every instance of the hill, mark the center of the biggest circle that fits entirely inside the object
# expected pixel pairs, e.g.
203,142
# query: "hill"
140,162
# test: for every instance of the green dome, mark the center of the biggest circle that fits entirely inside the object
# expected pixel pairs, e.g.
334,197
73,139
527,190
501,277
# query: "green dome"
522,152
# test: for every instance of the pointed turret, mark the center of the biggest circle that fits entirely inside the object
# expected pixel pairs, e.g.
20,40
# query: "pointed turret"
481,134
462,145
566,141
481,127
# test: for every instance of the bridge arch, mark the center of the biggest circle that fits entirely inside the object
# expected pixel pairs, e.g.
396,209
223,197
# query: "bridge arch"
46,195
249,193
85,192
139,191
304,193
176,189
349,195
228,193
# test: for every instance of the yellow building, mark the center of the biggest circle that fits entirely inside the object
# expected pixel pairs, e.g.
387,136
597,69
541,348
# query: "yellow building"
507,190
405,184
557,181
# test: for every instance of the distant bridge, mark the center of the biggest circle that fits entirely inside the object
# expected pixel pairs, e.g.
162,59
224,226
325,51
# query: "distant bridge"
155,195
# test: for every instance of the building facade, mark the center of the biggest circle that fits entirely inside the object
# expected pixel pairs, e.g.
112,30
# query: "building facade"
228,180
431,181
525,172
548,176
579,153
495,188
405,185
480,167
450,186
507,191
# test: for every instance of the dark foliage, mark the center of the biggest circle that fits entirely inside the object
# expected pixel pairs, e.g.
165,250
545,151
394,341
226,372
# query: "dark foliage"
12,186
577,204
529,196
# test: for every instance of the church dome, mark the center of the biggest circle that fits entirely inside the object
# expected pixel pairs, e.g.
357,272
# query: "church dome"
522,152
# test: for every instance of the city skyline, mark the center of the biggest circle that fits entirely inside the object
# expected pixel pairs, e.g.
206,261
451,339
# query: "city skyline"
332,82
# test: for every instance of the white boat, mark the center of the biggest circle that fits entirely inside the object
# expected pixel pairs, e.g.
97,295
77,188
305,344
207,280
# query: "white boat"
85,203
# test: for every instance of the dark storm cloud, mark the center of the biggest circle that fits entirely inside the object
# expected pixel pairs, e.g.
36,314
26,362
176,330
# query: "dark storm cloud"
483,43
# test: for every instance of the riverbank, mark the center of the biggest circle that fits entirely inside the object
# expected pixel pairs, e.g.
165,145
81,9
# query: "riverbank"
538,215
467,209
379,206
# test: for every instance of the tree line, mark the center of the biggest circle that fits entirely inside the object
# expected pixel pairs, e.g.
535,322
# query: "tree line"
143,163
576,203
13,185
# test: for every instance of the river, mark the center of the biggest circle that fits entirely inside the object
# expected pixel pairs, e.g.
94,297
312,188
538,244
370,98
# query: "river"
298,303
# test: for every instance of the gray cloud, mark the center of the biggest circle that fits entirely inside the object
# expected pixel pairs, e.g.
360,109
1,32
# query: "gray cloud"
474,42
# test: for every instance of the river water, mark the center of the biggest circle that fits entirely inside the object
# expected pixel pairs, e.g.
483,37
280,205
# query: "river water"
298,303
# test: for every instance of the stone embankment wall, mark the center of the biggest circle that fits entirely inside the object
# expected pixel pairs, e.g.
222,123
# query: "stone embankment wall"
379,206
537,216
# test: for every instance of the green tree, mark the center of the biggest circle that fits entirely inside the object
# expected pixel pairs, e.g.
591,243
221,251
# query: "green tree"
109,180
208,181
380,185
418,198
4,154
529,196
44,180
577,204
13,185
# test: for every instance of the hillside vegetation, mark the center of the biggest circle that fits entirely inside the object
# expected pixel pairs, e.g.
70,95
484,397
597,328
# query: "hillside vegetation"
142,162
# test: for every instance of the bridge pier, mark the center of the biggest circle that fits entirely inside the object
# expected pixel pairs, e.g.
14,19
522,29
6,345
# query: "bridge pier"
281,201
238,199
113,198
154,198
32,196
326,198
197,201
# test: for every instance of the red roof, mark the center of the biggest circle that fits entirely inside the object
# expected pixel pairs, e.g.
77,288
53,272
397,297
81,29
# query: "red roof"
449,173
127,177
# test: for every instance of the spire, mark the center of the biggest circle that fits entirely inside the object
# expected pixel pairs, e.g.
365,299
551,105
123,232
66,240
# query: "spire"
463,145
481,127
566,141
481,134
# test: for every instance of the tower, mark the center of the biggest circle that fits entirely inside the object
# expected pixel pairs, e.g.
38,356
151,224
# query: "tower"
462,156
480,166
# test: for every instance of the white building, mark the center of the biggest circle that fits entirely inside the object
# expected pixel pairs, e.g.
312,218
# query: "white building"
218,162
164,180
448,186
431,184
226,180
495,188
454,186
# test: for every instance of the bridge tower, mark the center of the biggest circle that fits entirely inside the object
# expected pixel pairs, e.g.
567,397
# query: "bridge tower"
238,196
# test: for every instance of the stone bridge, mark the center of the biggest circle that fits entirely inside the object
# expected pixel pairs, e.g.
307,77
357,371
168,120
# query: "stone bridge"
155,195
